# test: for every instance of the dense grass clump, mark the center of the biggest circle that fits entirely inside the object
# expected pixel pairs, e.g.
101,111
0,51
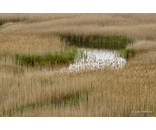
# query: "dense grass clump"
98,46
93,40
48,58
127,53
10,20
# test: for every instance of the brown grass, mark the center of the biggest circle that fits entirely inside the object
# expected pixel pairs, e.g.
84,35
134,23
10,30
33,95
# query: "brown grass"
143,45
29,43
38,17
136,26
115,92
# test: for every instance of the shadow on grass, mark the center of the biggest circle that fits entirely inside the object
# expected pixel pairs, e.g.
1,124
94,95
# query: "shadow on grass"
67,100
96,40
11,20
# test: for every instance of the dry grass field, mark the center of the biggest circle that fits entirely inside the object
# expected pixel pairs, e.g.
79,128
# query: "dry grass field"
37,91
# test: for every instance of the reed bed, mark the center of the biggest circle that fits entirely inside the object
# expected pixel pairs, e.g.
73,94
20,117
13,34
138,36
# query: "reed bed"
38,17
97,39
135,26
38,91
48,58
35,49
11,21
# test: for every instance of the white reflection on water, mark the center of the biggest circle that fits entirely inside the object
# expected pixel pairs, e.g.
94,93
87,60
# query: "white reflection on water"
97,59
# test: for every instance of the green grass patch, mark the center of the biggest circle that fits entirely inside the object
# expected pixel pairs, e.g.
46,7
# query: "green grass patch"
127,53
64,57
96,40
98,46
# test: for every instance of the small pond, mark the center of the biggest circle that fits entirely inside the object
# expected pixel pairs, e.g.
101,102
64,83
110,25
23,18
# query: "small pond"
96,59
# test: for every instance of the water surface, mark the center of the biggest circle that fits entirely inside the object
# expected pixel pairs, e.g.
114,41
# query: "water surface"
96,59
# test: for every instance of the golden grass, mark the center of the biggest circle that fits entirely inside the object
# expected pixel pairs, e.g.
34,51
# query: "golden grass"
143,45
37,17
136,26
115,92
29,43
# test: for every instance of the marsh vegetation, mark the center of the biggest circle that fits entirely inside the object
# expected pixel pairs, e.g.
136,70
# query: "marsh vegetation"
41,90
